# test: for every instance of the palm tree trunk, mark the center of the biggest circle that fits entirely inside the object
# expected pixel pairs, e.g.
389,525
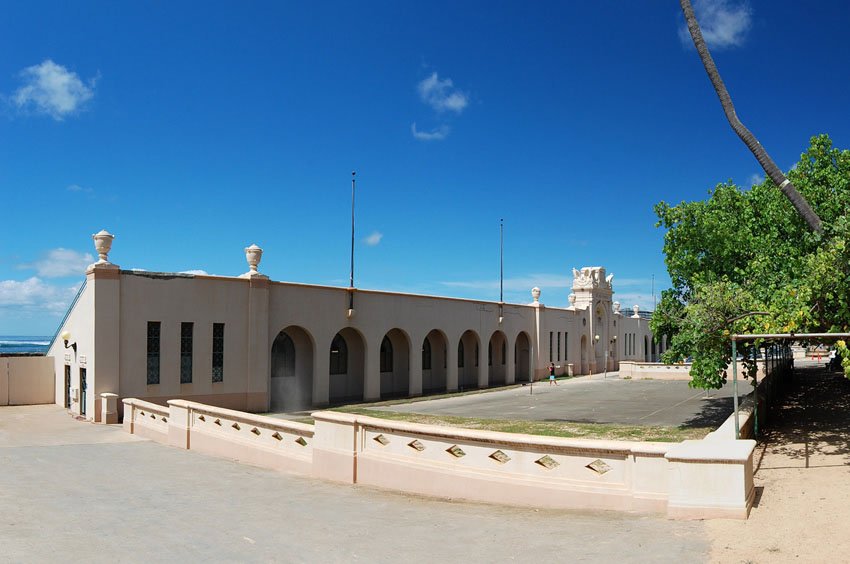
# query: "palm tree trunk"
797,200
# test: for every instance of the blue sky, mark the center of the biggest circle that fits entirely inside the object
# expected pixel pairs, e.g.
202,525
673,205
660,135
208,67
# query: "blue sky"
191,130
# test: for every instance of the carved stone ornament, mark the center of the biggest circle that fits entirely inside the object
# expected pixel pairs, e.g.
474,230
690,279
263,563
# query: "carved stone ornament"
535,294
636,309
572,298
103,244
253,255
591,277
616,307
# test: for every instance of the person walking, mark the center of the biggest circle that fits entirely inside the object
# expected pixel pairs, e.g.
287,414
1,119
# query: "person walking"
552,374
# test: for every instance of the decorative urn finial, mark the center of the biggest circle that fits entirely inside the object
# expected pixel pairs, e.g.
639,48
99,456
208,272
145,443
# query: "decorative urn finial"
253,255
535,293
572,298
616,307
636,309
102,244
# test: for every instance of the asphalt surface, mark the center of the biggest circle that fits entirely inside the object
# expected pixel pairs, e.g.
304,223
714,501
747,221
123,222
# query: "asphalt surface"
75,490
593,400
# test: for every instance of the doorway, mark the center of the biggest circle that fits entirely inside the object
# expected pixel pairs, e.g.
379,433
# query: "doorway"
82,391
67,387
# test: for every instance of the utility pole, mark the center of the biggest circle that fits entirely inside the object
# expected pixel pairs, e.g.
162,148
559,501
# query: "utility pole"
351,277
501,269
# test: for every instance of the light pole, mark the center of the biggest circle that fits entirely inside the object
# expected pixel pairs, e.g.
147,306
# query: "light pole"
607,352
501,269
351,277
595,343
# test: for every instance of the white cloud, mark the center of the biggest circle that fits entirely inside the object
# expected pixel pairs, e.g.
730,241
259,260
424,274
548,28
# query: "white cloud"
60,262
628,299
723,23
76,188
53,90
519,284
441,95
374,238
437,134
195,271
755,179
35,295
543,281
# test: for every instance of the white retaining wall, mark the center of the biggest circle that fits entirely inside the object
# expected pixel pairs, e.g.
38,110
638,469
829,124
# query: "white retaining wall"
693,479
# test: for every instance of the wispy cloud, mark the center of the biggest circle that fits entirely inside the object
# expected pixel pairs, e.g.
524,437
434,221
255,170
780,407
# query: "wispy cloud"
34,294
441,94
543,281
628,299
374,238
77,189
60,262
195,271
723,23
51,89
518,284
754,179
436,134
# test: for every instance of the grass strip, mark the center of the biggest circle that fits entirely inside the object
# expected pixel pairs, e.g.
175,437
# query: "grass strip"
568,429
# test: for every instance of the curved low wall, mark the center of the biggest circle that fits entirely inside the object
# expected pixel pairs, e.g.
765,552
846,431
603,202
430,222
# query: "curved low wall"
692,479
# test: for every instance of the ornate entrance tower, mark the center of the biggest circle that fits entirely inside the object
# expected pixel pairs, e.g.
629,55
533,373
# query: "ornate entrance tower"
593,291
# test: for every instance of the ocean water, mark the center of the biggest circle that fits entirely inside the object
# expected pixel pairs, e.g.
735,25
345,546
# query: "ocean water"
25,344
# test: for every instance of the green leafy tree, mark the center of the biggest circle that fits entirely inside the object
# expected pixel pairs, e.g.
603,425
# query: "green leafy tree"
748,249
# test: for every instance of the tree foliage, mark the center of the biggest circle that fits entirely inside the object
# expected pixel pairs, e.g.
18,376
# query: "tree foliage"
748,249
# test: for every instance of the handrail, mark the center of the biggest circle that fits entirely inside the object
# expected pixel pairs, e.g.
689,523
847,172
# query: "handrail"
68,313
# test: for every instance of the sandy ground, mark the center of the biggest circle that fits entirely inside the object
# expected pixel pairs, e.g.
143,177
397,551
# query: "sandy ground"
802,481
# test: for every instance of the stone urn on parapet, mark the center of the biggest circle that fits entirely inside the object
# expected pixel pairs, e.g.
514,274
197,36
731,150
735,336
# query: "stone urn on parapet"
102,244
253,255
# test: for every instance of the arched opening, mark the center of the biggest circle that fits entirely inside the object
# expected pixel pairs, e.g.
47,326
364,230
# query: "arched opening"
646,349
522,357
467,360
347,361
585,367
434,366
654,354
496,359
395,364
291,386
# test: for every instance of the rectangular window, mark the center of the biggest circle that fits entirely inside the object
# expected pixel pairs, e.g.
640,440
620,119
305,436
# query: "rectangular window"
153,352
566,338
218,353
550,346
186,330
559,346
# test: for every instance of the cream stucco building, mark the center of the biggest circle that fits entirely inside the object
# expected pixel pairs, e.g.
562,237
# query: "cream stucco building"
253,344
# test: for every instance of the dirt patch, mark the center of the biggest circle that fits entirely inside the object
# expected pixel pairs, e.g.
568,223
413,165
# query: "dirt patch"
802,480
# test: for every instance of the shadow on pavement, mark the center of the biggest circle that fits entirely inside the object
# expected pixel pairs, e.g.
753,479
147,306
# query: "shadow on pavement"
714,412
812,424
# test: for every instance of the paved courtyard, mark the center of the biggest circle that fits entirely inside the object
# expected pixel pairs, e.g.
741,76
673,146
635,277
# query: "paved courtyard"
74,490
594,400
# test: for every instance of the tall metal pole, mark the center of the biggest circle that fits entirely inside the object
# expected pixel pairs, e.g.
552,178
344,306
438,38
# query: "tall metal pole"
501,260
654,303
351,279
501,269
735,386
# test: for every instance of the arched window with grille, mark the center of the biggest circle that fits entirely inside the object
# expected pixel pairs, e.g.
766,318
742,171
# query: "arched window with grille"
386,355
426,354
339,356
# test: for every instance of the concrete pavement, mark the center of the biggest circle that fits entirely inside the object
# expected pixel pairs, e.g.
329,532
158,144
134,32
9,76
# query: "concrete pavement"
74,490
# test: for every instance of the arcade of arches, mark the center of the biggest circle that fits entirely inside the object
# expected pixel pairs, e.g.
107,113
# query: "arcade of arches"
294,351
